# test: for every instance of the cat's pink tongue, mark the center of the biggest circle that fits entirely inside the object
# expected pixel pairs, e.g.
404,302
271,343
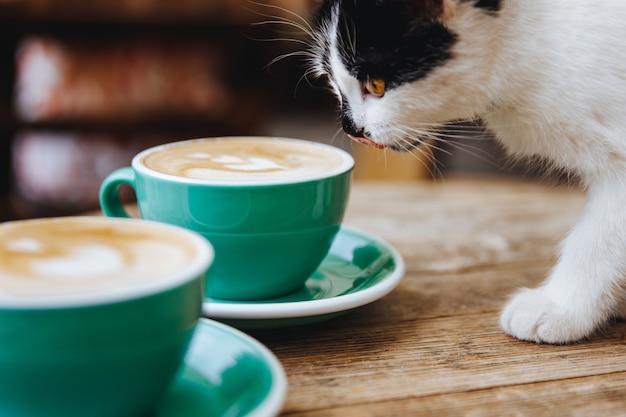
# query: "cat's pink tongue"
367,141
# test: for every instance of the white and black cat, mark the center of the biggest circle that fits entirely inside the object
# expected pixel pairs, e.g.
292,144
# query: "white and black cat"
547,77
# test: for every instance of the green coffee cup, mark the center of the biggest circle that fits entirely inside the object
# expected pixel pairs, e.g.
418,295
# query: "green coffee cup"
95,314
270,207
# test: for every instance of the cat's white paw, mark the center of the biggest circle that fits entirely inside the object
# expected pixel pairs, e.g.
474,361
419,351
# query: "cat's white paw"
533,316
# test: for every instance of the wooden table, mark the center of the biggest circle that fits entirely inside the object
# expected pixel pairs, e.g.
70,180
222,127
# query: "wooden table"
433,346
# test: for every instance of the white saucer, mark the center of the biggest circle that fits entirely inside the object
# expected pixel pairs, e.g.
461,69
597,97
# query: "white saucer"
226,374
358,270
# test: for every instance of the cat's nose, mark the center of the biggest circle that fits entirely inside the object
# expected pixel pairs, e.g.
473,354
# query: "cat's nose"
350,127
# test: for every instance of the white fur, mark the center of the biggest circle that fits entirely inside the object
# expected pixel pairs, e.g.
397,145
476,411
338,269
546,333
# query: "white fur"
549,79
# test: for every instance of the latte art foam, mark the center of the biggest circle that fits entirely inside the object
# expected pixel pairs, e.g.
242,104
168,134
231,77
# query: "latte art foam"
243,160
71,258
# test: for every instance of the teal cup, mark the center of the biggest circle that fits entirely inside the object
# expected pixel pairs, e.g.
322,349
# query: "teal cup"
270,207
96,314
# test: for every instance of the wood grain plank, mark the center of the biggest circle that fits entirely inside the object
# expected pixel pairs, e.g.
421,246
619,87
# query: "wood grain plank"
579,397
461,224
332,364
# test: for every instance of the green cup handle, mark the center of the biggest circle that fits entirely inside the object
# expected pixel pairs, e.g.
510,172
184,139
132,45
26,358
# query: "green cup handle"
109,192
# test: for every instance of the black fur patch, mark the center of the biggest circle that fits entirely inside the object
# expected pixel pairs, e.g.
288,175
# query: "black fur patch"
397,40
489,5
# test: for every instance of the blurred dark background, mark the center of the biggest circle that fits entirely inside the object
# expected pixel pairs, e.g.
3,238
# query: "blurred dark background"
86,85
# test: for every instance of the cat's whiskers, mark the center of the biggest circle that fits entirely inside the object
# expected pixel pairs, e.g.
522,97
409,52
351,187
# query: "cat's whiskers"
422,152
436,133
418,144
285,56
301,23
351,34
303,34
475,152
303,77
338,132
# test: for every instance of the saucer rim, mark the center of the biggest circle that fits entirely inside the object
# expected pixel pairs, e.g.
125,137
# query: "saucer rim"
274,400
234,310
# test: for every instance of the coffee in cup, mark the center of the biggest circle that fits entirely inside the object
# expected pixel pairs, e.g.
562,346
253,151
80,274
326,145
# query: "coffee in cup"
270,206
50,260
244,161
96,313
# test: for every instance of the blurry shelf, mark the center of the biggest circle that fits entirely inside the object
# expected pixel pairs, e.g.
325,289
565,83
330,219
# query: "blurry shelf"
204,13
89,28
256,94
155,122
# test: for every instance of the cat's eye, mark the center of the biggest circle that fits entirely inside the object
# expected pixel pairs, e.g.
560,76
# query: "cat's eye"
375,86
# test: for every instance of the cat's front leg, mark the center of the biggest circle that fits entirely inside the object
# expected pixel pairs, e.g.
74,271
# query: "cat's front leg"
586,285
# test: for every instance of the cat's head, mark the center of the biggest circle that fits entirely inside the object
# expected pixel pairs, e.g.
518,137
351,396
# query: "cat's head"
401,68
